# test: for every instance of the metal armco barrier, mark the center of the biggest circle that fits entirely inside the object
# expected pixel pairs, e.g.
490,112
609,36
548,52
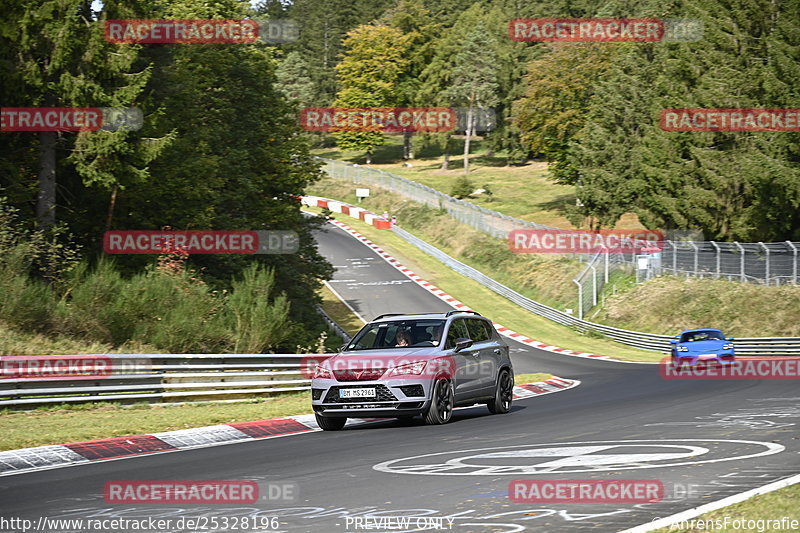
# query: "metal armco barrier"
332,325
169,377
646,341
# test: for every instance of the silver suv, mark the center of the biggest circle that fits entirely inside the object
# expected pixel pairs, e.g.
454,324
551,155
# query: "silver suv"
401,366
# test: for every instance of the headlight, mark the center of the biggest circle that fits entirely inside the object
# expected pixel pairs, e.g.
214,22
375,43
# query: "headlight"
321,372
683,349
411,369
728,346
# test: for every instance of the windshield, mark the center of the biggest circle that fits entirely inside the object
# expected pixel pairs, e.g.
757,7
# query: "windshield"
398,334
702,336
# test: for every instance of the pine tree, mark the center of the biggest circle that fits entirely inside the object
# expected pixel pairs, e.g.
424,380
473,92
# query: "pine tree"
294,81
58,57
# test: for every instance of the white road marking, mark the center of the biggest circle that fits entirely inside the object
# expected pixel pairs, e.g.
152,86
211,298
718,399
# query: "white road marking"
575,458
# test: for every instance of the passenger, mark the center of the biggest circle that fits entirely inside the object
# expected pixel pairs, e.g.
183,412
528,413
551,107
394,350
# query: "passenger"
437,335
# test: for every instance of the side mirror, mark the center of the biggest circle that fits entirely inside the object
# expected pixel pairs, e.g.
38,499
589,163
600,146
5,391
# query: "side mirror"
462,344
728,338
673,341
342,347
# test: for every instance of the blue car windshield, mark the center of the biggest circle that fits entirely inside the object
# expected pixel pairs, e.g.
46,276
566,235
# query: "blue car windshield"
398,334
702,336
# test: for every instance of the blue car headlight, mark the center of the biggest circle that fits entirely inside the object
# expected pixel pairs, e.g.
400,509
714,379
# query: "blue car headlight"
728,346
682,349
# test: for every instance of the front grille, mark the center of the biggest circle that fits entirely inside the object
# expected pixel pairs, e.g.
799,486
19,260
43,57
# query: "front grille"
367,374
316,394
382,394
413,390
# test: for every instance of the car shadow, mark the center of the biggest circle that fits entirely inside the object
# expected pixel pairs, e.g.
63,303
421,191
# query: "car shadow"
468,413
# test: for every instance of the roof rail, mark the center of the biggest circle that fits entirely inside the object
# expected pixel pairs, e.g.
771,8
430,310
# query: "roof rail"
385,315
456,311
408,314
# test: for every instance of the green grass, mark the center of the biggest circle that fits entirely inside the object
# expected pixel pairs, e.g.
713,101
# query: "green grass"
339,312
522,191
771,506
14,342
491,304
521,379
64,423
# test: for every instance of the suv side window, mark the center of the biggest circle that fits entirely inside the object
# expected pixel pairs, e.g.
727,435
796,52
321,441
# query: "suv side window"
458,329
367,341
478,331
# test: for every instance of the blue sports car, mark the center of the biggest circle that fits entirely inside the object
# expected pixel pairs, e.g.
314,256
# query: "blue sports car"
705,346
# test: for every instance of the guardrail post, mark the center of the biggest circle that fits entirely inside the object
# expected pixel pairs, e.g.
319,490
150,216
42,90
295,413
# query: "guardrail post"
717,250
794,260
766,264
605,276
741,261
594,285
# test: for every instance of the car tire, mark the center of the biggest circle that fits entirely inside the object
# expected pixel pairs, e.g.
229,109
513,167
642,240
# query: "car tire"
503,395
328,423
442,400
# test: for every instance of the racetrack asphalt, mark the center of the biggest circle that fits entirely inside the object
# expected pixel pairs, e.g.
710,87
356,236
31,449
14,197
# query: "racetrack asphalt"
703,440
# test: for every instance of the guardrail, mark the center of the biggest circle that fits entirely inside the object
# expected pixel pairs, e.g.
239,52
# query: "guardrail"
646,341
174,377
332,325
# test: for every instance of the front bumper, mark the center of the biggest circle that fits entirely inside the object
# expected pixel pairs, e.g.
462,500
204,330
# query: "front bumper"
689,359
394,398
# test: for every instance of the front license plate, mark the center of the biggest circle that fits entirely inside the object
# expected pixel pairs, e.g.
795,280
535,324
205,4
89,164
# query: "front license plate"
357,393
707,356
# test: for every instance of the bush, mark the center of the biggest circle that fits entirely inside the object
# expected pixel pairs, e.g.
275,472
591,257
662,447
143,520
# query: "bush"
462,188
257,318
44,254
87,307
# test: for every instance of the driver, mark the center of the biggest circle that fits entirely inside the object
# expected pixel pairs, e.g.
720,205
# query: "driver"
403,338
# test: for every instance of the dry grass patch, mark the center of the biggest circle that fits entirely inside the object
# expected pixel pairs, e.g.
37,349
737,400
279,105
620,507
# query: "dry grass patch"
670,304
